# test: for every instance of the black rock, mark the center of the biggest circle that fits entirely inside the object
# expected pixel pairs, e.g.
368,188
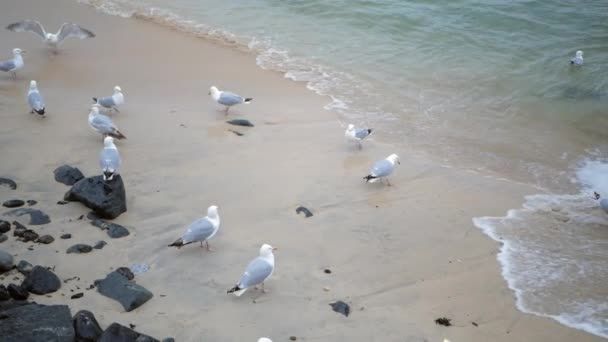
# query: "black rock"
8,182
126,272
28,235
86,326
45,239
121,289
100,244
5,226
37,217
304,210
79,248
340,307
106,198
66,236
14,203
6,261
119,333
77,295
240,122
34,322
18,292
113,230
4,294
31,202
67,175
41,281
24,267
3,237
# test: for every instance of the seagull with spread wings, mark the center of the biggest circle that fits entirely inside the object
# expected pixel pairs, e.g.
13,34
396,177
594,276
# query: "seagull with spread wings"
67,30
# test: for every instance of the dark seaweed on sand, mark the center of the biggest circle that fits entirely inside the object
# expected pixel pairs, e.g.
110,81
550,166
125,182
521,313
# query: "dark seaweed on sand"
443,321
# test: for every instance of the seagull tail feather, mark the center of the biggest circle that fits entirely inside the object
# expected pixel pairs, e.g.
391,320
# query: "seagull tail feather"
94,100
237,291
370,179
248,100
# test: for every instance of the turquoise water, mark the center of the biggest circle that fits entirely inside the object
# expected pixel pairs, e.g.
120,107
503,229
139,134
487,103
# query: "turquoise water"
481,85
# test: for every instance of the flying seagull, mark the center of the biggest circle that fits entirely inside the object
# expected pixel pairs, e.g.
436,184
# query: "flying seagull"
34,99
67,30
227,98
382,169
201,230
14,64
258,271
357,134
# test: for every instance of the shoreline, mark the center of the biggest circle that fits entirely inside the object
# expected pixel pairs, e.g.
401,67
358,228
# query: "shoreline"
406,254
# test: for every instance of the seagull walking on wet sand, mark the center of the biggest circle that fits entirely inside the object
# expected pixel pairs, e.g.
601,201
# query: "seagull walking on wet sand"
103,124
257,272
382,169
34,99
111,102
109,159
357,134
577,59
201,230
67,30
227,98
14,64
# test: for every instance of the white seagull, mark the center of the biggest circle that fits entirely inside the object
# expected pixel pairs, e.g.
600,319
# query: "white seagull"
201,230
109,159
34,99
14,64
111,102
103,124
382,169
258,271
227,98
578,58
67,30
357,134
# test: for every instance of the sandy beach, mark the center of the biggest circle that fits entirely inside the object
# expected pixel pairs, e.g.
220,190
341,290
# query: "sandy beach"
401,256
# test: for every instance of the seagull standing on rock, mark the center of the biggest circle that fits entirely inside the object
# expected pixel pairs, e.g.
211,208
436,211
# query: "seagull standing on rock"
578,58
257,272
357,134
201,230
109,159
34,99
111,102
382,169
227,98
14,64
67,30
103,124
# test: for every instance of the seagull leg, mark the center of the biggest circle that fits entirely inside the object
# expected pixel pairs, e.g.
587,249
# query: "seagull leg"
226,111
14,75
360,145
201,244
116,109
387,182
263,289
209,249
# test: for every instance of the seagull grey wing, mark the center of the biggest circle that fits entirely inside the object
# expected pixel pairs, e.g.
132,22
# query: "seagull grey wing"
103,124
106,101
28,26
382,168
199,230
256,272
69,30
7,65
230,99
109,160
35,101
361,133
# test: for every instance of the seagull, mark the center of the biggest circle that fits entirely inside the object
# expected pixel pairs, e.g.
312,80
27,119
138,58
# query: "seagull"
603,201
111,102
103,124
578,58
264,339
109,159
357,134
14,64
382,169
34,99
227,98
67,30
258,271
201,230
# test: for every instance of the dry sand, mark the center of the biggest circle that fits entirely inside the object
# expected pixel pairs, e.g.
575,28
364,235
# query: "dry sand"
402,256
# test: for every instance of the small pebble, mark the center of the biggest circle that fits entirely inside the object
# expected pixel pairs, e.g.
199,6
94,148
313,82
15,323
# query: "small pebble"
14,203
77,295
327,270
31,202
66,236
326,289
292,338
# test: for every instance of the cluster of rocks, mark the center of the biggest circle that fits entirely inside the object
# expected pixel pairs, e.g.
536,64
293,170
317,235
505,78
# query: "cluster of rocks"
38,280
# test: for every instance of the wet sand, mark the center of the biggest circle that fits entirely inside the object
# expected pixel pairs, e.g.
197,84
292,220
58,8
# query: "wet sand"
402,256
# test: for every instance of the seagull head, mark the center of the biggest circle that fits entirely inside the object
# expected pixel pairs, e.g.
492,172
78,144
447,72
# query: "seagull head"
351,127
212,211
213,90
117,89
33,85
108,141
17,51
393,158
579,54
266,250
